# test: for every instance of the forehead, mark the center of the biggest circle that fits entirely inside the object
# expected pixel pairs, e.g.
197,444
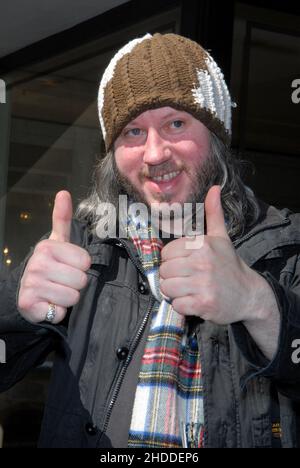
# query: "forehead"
160,113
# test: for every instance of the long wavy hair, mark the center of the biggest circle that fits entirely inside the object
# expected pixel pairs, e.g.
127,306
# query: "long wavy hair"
222,168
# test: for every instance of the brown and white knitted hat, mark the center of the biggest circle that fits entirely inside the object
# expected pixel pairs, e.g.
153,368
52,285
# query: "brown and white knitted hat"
163,70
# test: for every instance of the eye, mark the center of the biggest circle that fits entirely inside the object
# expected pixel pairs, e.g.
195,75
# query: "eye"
177,124
132,132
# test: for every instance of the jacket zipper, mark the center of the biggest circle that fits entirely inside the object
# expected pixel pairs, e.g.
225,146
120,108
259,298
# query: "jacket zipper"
119,242
133,347
124,369
200,344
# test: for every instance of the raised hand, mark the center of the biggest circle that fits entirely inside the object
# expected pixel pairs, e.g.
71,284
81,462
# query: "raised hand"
56,272
211,282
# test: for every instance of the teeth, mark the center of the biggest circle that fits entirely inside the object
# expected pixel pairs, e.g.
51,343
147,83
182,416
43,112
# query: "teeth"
166,177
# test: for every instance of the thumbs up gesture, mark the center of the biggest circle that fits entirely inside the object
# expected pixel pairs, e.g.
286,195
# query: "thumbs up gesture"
56,272
211,282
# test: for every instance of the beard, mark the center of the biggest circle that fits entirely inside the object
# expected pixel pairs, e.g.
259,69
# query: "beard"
206,176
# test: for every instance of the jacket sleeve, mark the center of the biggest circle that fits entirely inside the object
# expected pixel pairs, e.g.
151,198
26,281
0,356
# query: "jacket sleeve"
284,368
25,345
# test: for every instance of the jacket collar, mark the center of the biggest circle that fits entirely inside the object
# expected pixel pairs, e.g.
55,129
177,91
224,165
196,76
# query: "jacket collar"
275,229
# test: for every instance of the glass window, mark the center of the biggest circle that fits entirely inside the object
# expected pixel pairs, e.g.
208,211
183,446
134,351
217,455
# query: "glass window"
49,140
265,64
50,137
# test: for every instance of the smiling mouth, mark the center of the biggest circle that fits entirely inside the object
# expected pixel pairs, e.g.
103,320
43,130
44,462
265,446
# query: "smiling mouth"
165,177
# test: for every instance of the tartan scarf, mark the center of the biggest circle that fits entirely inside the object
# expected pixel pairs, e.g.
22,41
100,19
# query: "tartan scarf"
168,405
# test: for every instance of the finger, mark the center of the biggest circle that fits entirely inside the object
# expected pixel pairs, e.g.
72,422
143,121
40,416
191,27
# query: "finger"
58,294
175,249
177,287
67,276
69,254
215,222
187,306
62,217
172,268
39,312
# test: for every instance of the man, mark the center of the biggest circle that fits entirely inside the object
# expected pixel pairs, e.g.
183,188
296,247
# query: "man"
160,344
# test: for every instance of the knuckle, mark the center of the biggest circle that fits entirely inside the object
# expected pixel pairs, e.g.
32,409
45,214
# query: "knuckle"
83,281
25,301
30,270
61,312
30,283
37,265
162,270
164,287
74,297
86,261
178,306
43,247
164,253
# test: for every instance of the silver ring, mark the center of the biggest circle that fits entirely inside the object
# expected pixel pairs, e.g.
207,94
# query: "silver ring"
50,316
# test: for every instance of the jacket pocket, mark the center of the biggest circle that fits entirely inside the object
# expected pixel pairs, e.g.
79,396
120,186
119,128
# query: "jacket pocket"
261,432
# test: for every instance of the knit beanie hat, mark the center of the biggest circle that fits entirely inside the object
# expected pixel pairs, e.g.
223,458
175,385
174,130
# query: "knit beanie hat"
158,71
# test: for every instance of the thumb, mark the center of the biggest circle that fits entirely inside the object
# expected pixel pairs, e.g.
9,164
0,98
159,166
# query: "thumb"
62,217
215,222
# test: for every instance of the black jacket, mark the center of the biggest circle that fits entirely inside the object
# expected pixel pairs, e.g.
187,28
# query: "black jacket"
100,344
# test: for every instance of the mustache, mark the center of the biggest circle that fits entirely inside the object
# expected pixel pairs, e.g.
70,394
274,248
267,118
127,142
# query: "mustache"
202,178
165,168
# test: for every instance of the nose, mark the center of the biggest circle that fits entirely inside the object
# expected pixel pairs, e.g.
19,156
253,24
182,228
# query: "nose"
156,148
